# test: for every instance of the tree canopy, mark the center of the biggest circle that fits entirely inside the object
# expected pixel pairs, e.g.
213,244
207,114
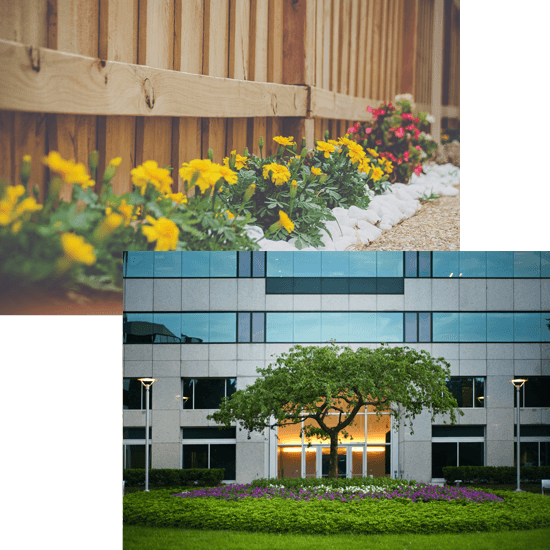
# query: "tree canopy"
309,382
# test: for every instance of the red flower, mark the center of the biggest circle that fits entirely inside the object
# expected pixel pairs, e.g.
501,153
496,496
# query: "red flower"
418,147
418,169
369,109
379,142
399,132
406,156
399,161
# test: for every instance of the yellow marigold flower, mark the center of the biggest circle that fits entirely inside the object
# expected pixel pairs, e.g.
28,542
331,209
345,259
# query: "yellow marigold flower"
206,169
389,167
16,227
377,173
116,162
127,210
240,162
113,220
364,166
229,214
77,249
27,205
164,231
150,172
284,141
13,192
316,171
373,152
281,174
284,221
26,158
5,212
228,175
345,141
108,210
180,198
71,171
356,153
326,147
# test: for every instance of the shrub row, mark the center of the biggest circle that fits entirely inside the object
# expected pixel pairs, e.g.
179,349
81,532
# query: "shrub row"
168,477
495,474
294,483
161,509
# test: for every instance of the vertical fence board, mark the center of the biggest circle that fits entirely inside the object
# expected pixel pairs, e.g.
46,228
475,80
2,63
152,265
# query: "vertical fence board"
383,70
118,32
215,63
390,79
376,33
25,21
274,125
362,49
369,50
239,18
319,9
336,59
344,58
354,31
327,50
437,72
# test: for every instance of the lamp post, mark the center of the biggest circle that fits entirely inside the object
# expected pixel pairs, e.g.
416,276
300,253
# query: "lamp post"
147,383
518,382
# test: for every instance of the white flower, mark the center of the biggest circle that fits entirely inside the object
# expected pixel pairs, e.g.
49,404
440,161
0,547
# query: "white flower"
404,97
430,118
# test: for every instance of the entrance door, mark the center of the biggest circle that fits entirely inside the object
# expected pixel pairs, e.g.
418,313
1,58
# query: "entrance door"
341,463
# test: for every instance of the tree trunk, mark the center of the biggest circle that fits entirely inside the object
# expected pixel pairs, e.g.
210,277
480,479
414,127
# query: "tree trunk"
332,471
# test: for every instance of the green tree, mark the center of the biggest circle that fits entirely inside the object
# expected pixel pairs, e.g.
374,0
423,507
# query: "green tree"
309,382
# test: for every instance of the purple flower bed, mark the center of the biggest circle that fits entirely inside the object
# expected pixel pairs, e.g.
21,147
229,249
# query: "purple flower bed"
421,493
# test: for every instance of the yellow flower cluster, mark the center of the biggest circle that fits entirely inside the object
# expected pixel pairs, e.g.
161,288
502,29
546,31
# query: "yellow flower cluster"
11,211
209,173
284,221
77,249
180,198
164,231
71,172
150,172
127,211
326,147
284,141
240,162
279,174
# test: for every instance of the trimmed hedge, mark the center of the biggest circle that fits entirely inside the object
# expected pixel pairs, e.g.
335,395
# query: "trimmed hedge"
495,474
297,482
168,477
161,509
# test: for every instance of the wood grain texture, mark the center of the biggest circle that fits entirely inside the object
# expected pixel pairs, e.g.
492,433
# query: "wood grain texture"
354,40
362,48
344,58
383,67
332,105
369,51
437,69
327,48
336,47
376,34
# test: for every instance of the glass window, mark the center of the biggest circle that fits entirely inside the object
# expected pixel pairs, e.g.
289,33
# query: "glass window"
258,264
139,264
245,264
335,264
390,285
283,285
167,264
362,264
307,327
445,327
536,391
410,327
223,264
363,285
195,327
411,264
133,396
530,430
545,264
134,433
188,402
470,454
166,328
389,327
443,454
134,457
336,285
224,456
195,456
244,327
479,392
279,327
289,462
209,433
379,461
389,264
526,327
471,430
528,451
303,285
195,264
378,429
258,322
473,327
500,264
307,265
206,393
473,264
223,327
424,327
545,327
138,328
280,264
335,326
362,327
424,264
445,264
526,264
500,327
468,392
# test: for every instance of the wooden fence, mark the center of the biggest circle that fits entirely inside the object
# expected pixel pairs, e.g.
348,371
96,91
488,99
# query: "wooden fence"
169,79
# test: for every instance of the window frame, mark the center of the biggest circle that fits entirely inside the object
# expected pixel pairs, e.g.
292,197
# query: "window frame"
226,378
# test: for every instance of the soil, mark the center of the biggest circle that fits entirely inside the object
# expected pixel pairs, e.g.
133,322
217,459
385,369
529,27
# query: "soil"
36,301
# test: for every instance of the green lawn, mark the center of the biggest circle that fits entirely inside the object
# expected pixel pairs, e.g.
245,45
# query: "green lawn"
159,538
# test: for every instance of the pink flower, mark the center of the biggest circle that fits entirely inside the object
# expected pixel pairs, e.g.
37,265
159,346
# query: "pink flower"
369,109
406,156
351,130
399,161
416,133
379,142
410,127
418,169
368,130
400,132
418,148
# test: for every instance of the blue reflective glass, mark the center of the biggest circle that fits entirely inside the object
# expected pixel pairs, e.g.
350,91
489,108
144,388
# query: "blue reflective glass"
167,328
545,264
245,264
527,327
411,264
335,326
445,264
167,264
526,264
445,327
424,264
389,264
139,264
500,327
280,264
362,327
195,327
223,264
410,327
279,326
473,264
389,327
307,264
424,327
137,328
258,264
335,264
500,264
545,327
362,264
258,327
244,326
307,327
473,327
223,327
195,264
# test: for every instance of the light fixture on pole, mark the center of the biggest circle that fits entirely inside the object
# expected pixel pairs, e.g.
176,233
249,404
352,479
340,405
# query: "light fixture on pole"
147,383
518,382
